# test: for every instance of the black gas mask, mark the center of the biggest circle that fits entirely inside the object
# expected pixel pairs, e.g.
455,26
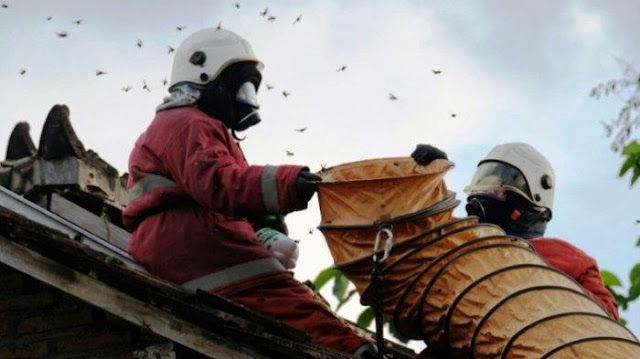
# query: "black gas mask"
232,97
511,212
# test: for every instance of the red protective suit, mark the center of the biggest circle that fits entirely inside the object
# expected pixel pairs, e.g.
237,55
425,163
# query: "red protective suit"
577,264
192,194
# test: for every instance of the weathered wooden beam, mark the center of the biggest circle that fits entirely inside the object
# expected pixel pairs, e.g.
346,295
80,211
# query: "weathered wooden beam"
14,206
17,175
73,172
79,175
210,300
117,303
211,312
101,227
252,329
397,351
139,284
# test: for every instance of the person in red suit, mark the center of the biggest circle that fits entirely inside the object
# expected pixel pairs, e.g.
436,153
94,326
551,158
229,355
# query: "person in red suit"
196,204
513,188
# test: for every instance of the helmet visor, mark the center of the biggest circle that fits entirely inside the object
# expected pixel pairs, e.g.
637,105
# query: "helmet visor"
247,94
497,178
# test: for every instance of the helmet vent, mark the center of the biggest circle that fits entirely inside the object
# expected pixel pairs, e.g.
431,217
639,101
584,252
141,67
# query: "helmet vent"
198,58
204,77
546,182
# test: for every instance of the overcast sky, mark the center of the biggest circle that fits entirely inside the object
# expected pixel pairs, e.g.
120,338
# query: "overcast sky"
511,71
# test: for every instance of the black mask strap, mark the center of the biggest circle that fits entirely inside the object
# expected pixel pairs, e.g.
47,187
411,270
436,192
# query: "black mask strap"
217,102
513,214
528,230
218,98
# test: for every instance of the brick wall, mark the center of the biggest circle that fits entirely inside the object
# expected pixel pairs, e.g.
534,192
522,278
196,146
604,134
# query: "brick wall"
39,321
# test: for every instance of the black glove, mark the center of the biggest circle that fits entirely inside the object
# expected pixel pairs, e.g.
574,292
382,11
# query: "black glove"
273,221
306,185
424,154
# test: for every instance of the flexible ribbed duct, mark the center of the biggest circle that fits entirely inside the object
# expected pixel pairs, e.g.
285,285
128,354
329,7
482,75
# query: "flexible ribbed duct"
519,309
396,274
598,347
409,253
478,298
367,192
348,242
458,274
467,289
540,337
364,262
407,314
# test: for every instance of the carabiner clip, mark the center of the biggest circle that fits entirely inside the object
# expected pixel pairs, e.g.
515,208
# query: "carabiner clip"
387,246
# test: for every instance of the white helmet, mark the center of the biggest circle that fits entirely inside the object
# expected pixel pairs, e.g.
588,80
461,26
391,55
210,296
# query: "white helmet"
205,54
516,167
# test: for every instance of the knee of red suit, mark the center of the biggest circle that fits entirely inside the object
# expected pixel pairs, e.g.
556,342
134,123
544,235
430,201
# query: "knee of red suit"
283,298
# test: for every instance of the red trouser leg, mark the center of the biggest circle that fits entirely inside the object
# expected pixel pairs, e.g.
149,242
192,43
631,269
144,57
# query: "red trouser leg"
289,301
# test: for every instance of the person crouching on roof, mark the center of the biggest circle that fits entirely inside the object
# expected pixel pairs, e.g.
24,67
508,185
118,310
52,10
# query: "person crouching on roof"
513,188
194,199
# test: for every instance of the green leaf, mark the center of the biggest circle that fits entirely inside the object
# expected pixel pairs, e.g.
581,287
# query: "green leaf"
345,299
324,277
340,286
365,318
636,174
634,275
621,299
638,242
626,165
631,149
634,291
623,321
610,279
396,333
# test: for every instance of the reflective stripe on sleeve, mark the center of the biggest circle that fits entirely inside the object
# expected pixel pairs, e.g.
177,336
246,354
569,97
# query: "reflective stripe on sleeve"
270,189
148,184
237,273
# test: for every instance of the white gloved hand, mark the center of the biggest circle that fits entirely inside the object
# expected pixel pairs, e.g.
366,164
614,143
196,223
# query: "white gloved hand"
283,248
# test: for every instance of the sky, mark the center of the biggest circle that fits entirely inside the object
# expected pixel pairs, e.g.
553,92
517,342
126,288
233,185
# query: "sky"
511,71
